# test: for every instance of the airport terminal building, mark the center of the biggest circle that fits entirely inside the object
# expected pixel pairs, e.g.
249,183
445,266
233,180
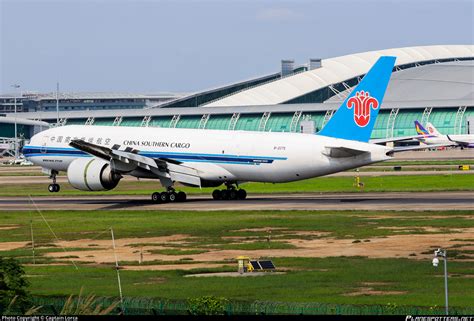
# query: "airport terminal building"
429,83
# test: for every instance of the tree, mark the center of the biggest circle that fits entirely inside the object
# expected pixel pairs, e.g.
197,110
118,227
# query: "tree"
13,286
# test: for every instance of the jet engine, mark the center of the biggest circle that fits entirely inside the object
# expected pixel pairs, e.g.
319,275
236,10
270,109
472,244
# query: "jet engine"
92,174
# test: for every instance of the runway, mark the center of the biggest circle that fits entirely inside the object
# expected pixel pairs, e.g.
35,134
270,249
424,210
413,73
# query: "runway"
417,201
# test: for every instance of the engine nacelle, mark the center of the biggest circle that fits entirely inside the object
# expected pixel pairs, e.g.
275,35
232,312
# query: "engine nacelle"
92,174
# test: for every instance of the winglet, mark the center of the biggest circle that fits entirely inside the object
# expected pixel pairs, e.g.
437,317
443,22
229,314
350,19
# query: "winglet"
355,118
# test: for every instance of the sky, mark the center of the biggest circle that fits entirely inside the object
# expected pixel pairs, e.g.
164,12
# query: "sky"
145,46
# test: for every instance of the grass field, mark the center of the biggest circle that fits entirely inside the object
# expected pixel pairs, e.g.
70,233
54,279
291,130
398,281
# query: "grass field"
407,278
387,183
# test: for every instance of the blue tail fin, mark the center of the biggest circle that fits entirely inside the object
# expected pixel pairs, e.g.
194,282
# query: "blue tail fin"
355,118
420,130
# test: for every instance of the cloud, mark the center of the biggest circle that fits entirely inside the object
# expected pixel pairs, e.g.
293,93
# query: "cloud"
277,14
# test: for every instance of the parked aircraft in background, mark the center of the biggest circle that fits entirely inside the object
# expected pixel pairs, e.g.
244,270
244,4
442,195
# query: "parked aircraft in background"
431,136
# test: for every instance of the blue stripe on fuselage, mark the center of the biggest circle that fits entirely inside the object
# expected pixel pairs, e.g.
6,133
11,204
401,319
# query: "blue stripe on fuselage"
30,151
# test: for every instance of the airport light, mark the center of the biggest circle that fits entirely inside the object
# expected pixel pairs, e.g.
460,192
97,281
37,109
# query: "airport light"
16,86
442,253
57,104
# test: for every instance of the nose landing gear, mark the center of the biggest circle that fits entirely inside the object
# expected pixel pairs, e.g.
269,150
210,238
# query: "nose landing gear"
53,188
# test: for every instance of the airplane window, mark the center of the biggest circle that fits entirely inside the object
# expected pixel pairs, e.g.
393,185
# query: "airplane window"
99,141
60,139
68,139
53,138
107,141
91,140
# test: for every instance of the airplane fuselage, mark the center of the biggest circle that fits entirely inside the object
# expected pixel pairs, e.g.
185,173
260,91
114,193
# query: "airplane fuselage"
463,140
218,155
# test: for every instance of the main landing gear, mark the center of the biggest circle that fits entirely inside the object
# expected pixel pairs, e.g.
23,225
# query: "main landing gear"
170,196
231,193
53,188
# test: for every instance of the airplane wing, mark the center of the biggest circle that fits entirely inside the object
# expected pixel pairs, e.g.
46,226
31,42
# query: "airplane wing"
410,148
459,142
128,160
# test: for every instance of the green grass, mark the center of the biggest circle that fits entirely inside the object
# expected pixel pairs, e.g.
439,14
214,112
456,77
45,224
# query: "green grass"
396,162
209,227
312,280
448,182
307,280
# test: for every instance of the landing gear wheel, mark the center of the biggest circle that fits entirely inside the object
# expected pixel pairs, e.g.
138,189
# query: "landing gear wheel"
172,197
164,196
242,194
217,195
233,194
54,188
225,194
156,197
181,197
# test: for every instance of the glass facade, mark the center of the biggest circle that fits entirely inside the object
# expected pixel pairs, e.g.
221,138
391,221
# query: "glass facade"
443,118
248,122
218,122
189,122
76,121
279,122
380,127
132,121
104,121
163,122
405,122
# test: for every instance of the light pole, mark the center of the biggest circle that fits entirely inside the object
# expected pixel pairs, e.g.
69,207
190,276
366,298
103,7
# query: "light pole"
57,104
16,86
442,253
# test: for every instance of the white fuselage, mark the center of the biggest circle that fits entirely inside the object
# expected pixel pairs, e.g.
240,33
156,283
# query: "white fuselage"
232,156
467,140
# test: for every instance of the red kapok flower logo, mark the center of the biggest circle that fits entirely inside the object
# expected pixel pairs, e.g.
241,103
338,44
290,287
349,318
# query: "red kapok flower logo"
362,102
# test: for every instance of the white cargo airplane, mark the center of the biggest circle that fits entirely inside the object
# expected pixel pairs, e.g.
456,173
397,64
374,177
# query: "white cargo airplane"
431,136
97,157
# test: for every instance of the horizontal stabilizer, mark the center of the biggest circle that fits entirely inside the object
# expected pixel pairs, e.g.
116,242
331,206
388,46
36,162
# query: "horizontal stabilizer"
394,139
340,152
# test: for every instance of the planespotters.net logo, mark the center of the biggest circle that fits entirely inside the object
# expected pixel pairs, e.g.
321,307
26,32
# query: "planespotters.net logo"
439,318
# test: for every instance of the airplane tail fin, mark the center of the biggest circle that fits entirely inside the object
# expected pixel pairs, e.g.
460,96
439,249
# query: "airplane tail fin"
432,130
420,130
355,118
